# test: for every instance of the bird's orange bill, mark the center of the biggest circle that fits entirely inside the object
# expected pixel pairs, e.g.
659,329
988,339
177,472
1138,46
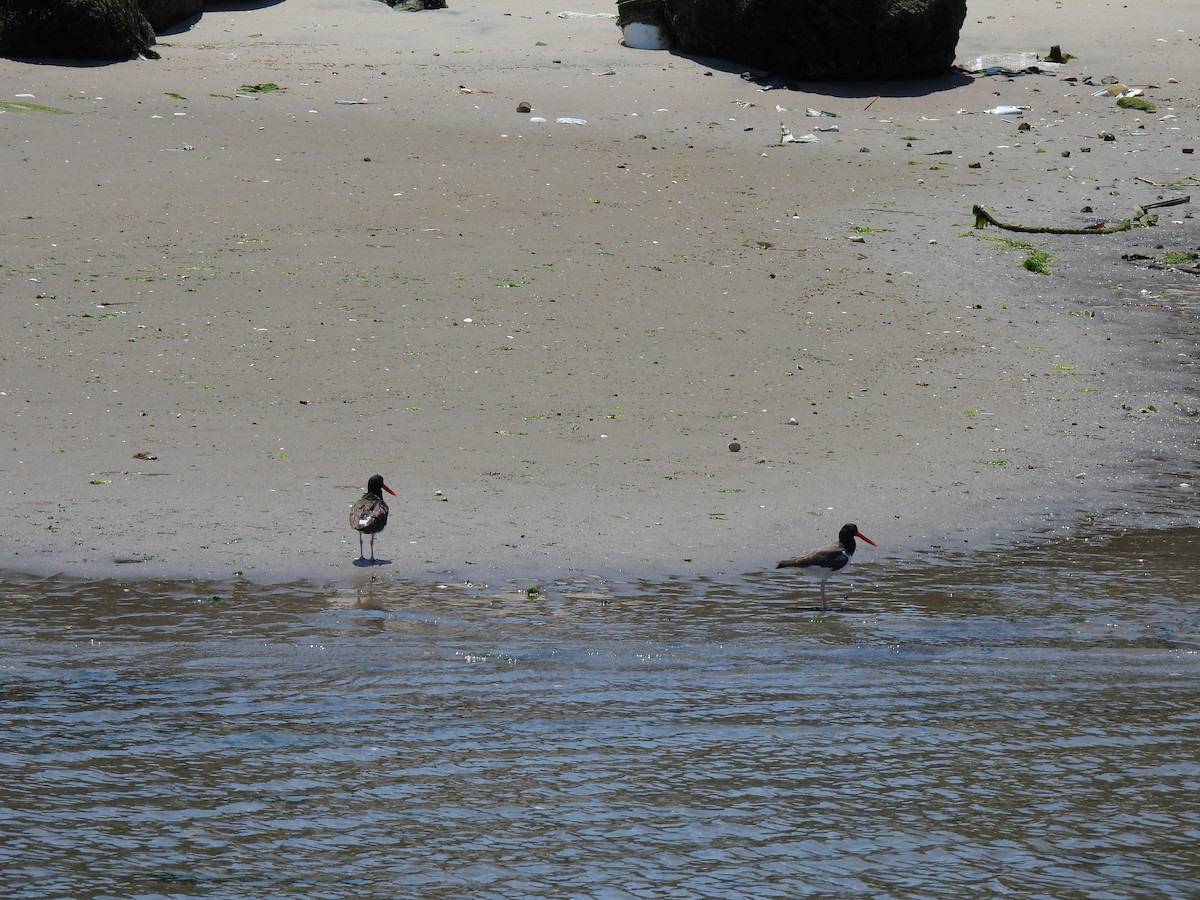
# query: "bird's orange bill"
394,494
859,534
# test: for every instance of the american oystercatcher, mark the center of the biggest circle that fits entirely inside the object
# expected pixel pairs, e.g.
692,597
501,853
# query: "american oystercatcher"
825,562
369,513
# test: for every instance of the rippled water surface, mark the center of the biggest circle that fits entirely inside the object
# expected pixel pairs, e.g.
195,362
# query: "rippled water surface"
1028,727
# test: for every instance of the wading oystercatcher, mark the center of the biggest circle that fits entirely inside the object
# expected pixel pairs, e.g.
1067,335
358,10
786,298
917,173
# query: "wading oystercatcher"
825,562
369,513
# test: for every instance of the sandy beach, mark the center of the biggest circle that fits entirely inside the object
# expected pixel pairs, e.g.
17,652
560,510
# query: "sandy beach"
225,308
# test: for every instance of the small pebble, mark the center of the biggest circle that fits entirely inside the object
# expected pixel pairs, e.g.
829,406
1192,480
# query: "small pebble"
734,447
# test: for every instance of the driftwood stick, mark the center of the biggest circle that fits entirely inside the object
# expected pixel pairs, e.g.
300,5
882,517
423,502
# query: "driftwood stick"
1172,202
984,218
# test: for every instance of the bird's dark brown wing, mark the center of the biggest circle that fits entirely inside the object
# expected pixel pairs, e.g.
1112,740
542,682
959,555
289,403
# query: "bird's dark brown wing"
369,514
832,558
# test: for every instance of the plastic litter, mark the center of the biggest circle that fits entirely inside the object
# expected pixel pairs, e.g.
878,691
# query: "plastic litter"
786,137
1006,110
568,120
1118,90
1025,63
815,113
644,36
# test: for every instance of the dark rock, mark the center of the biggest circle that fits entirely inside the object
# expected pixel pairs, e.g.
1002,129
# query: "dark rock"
415,5
75,29
162,14
649,12
823,40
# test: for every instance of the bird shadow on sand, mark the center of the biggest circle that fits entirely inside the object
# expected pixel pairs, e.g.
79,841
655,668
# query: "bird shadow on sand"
365,563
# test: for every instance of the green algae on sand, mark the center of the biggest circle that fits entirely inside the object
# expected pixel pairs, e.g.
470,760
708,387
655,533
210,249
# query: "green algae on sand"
21,106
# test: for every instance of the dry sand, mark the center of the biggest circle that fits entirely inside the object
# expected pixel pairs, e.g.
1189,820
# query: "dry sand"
545,335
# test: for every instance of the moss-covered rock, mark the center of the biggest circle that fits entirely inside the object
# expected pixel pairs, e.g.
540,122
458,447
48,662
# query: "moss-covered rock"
162,14
822,40
75,29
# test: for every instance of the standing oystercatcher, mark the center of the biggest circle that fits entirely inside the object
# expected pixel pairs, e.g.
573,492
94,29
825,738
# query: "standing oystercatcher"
824,562
369,513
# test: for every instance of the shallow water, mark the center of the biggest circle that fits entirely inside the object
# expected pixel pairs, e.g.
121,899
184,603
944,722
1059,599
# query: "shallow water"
951,730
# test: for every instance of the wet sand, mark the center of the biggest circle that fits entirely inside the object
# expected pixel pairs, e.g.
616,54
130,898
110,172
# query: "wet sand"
226,309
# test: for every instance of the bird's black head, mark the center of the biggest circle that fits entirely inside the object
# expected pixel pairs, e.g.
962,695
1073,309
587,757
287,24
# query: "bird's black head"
376,486
849,532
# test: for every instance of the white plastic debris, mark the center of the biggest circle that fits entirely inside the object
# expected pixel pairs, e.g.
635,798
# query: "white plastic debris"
644,36
786,137
1012,62
1118,91
1006,110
